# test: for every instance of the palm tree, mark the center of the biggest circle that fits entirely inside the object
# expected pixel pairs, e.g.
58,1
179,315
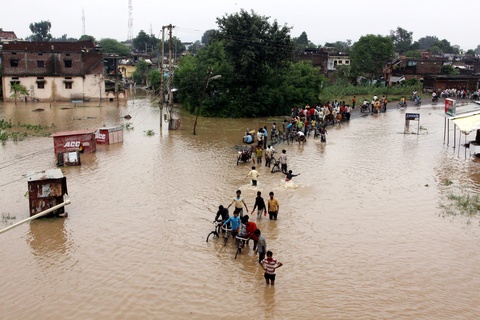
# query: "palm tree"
18,90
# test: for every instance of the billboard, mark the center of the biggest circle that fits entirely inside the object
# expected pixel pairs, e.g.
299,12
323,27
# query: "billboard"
450,107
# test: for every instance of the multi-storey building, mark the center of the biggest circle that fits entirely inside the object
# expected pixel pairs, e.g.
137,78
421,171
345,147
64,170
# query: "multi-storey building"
54,71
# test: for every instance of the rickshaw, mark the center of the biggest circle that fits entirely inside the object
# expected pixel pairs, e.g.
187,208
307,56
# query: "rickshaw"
244,153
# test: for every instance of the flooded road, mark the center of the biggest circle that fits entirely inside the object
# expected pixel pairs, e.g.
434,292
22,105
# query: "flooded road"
368,231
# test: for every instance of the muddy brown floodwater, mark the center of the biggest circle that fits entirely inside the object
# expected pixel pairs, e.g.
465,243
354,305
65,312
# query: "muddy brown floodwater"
367,232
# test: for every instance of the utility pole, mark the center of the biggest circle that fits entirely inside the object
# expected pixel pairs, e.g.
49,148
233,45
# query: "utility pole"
162,74
170,78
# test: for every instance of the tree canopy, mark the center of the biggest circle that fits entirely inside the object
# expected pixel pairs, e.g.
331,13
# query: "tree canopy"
258,78
144,42
340,46
112,46
87,37
302,42
40,31
370,54
402,39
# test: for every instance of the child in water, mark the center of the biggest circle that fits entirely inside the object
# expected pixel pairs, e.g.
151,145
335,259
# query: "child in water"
289,175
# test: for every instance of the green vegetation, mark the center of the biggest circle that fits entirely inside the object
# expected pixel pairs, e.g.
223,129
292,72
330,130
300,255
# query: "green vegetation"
150,133
20,131
18,90
464,204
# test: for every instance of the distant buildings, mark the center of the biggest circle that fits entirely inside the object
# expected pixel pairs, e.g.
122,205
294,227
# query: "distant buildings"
54,71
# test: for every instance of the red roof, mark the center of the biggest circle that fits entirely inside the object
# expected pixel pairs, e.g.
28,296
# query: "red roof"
72,133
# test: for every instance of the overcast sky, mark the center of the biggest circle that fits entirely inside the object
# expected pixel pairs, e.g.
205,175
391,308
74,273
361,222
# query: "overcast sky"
323,21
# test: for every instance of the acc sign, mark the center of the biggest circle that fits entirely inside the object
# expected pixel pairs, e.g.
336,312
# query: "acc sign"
72,144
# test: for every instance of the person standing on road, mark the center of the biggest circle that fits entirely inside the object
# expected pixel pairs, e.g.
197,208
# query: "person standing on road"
238,200
259,205
273,206
253,174
283,160
270,265
261,246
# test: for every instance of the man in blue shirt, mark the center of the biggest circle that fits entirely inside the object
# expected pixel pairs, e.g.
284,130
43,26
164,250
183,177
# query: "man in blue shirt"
235,223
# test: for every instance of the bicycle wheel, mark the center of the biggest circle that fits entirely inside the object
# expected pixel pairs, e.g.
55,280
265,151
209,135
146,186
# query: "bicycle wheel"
239,250
225,239
212,233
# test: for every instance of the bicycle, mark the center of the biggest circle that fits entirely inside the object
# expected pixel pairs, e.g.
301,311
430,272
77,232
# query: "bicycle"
402,105
239,242
227,234
217,229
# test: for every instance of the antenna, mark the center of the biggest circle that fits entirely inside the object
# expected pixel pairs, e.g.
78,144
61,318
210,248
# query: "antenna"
130,21
83,21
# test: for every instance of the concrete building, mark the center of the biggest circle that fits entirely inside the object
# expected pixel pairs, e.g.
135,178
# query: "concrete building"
54,71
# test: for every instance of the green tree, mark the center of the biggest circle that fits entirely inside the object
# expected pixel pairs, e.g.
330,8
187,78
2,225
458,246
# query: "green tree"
40,31
252,46
194,47
477,50
448,69
302,42
426,42
435,49
18,90
141,72
413,54
445,46
340,46
190,79
87,37
154,79
470,52
177,46
206,36
112,46
64,38
144,42
370,53
402,39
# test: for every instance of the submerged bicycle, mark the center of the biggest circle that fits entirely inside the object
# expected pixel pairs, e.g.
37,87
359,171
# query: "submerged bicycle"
239,242
216,231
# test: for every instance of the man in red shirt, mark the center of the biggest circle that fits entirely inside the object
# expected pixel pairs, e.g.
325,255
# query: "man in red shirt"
250,228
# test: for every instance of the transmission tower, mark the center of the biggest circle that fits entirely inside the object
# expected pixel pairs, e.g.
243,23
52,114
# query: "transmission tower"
83,21
130,21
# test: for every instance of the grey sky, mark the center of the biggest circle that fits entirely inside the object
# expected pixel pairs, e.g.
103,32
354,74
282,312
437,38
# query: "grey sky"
323,21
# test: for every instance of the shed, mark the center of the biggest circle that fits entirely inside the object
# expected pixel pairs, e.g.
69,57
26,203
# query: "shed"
109,135
46,189
79,140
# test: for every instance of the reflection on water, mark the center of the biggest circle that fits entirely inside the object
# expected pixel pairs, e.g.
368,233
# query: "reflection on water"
362,234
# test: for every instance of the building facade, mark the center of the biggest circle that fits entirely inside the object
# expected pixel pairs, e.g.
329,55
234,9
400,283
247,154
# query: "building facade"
54,71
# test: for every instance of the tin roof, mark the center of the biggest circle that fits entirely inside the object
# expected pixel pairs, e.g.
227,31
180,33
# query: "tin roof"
44,175
72,133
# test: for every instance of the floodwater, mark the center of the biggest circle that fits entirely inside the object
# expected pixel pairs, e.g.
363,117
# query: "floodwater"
368,231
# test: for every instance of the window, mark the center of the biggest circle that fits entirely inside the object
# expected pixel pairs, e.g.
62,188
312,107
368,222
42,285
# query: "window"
68,82
411,63
347,61
40,83
68,63
40,64
14,81
14,63
340,61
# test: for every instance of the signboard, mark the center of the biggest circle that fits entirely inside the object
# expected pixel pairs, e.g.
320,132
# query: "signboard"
412,116
450,107
408,118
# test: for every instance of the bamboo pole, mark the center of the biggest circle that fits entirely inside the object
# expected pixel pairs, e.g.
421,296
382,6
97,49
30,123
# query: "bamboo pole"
38,215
